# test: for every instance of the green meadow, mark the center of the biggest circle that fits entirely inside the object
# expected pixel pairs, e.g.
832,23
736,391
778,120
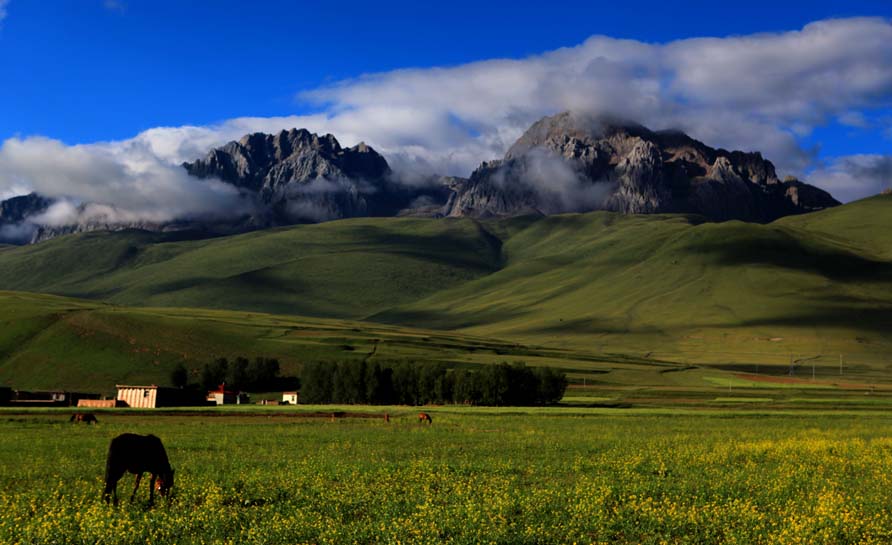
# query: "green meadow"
270,475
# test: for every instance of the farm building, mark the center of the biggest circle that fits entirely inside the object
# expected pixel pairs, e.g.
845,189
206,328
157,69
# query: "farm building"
290,398
100,403
50,398
222,396
153,396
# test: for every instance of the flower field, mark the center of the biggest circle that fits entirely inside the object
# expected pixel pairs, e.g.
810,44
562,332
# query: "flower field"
471,477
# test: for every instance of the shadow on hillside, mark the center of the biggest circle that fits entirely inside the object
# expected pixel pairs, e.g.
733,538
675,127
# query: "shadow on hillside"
591,326
783,250
441,320
878,320
442,247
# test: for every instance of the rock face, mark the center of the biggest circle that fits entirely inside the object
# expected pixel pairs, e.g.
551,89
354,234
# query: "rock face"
575,163
299,176
14,212
16,209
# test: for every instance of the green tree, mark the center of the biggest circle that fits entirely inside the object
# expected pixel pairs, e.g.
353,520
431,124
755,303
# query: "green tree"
214,374
179,377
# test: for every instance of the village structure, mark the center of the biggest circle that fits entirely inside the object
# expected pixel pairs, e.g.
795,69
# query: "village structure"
147,396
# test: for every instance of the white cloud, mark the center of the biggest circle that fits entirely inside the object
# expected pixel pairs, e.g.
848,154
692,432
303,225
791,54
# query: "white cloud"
855,176
754,92
853,119
125,183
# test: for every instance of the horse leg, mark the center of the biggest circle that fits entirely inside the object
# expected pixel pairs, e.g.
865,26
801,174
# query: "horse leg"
136,487
111,489
152,489
113,474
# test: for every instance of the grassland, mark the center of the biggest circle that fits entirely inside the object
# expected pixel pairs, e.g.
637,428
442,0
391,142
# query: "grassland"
543,476
617,301
348,269
49,342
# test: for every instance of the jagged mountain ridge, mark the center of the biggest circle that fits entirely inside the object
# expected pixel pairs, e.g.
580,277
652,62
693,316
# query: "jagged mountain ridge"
633,170
563,163
299,176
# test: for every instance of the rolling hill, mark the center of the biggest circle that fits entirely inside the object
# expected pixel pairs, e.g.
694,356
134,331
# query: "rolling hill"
600,287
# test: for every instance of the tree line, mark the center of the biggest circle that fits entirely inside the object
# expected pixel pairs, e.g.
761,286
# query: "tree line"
420,383
258,375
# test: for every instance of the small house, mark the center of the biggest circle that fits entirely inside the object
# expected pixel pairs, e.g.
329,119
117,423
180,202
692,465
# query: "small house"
290,398
53,398
222,396
153,396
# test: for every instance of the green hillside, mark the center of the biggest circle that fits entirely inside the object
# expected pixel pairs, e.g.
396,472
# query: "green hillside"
669,287
597,287
345,269
56,342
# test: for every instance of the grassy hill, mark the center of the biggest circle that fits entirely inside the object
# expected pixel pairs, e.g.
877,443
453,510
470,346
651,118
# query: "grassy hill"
346,269
48,341
732,293
600,288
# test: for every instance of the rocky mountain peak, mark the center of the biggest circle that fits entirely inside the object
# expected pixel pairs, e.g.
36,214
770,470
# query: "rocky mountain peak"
16,209
598,162
300,176
264,162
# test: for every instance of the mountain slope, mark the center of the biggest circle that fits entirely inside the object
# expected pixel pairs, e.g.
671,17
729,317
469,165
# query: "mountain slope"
664,287
684,290
49,342
351,268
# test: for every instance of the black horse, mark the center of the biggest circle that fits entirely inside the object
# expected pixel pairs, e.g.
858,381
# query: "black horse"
137,454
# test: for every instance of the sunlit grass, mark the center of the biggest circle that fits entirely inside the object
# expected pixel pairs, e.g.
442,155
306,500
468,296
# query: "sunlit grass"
541,477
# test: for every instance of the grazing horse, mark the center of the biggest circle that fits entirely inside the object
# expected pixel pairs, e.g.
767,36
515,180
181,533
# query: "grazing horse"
424,417
137,454
89,418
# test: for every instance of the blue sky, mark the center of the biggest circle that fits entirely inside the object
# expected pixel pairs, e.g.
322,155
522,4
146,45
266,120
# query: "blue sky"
86,71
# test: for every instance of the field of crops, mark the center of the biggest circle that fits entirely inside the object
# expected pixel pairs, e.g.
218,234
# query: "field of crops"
487,476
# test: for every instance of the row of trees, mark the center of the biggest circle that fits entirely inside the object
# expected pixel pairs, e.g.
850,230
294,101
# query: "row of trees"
418,383
259,375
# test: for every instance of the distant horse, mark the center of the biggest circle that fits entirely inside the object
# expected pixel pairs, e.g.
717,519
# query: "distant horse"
137,454
83,417
424,417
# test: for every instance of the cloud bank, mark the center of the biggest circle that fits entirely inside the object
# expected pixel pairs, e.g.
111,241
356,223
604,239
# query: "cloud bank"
118,183
855,176
759,92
